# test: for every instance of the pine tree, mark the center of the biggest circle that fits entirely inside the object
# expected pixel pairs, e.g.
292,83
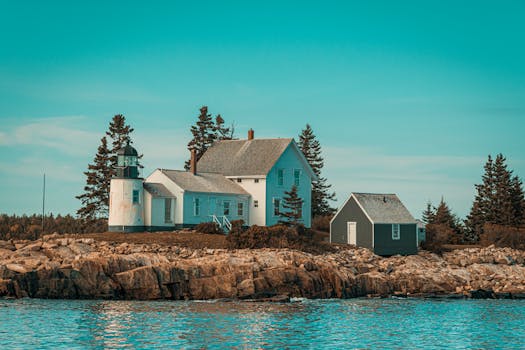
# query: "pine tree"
428,214
293,205
204,134
222,132
503,210
120,135
499,199
95,199
482,207
311,149
518,201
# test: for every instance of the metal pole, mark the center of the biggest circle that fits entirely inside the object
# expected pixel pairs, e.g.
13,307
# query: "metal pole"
43,203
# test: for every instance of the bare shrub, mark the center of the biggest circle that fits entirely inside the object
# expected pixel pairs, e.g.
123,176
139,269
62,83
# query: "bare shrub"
503,236
321,223
209,227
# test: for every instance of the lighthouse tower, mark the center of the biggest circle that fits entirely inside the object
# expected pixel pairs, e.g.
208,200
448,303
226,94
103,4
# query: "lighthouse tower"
126,195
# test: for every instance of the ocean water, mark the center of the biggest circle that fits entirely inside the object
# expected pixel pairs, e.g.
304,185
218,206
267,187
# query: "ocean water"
305,324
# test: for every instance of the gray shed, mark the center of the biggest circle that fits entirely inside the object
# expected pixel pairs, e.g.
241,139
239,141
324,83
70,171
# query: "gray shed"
379,222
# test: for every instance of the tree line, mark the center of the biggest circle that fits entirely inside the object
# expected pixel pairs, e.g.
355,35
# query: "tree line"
499,205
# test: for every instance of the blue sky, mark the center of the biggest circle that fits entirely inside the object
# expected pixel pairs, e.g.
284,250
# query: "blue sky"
407,97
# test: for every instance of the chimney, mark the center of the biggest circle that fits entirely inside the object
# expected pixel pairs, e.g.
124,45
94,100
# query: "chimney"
193,162
250,134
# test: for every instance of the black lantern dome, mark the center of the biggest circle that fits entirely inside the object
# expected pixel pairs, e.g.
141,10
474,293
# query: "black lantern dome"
127,162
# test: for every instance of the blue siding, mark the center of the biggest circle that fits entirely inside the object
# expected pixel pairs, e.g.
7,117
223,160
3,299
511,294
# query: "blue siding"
288,161
207,201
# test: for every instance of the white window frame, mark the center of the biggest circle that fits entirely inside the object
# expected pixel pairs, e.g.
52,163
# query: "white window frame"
196,206
256,181
396,232
256,203
297,179
224,205
240,209
278,207
239,179
280,177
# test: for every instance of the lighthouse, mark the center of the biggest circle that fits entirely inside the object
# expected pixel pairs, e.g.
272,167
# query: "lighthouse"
126,194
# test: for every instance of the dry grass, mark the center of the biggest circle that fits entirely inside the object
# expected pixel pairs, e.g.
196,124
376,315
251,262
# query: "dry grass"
190,239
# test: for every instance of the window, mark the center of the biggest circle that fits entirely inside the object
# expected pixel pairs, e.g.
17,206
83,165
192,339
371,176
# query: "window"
276,206
240,209
256,181
196,207
256,203
296,177
239,180
280,177
396,234
136,197
167,210
226,208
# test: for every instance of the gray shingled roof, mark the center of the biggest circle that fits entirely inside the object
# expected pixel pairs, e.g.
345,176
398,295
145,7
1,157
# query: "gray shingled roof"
203,182
242,157
157,190
384,208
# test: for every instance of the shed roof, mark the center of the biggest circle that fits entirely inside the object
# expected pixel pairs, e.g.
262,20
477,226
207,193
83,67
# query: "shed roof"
157,189
203,182
243,157
384,208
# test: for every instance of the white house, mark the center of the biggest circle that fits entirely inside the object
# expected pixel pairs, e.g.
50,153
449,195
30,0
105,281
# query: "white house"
234,179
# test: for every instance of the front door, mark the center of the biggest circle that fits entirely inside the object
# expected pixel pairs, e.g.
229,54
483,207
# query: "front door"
212,206
351,232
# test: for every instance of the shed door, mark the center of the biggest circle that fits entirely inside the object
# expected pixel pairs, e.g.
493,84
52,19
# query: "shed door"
351,232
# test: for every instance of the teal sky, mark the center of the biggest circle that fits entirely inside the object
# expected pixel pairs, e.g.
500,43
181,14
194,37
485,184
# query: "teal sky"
406,97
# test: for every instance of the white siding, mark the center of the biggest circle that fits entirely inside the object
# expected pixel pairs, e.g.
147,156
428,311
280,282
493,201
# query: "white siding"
258,193
158,177
123,212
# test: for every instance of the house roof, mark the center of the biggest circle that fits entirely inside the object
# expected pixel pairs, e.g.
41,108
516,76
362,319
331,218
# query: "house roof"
157,190
384,208
203,182
243,157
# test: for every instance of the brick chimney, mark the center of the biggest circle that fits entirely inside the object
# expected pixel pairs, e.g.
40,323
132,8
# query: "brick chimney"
193,162
250,134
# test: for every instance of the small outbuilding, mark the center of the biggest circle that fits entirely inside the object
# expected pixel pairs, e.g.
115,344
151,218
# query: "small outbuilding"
379,222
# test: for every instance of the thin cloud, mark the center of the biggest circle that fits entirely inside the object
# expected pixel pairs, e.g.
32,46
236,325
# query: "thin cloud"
59,133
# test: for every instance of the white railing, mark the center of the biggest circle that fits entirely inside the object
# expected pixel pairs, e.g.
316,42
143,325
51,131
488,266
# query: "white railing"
225,223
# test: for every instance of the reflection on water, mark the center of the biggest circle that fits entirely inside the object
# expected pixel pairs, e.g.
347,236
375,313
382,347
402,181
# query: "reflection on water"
357,323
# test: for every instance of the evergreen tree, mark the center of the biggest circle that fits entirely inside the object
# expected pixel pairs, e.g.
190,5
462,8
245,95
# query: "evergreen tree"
428,214
95,199
119,133
321,196
222,132
499,199
502,199
293,205
518,201
204,134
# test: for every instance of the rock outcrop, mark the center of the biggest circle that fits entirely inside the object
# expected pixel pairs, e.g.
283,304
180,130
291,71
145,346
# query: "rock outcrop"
58,267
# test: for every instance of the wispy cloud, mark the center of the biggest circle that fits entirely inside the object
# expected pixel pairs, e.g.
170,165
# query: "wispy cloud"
62,134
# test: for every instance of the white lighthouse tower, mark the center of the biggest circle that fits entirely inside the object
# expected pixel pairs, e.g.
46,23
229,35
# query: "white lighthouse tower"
126,195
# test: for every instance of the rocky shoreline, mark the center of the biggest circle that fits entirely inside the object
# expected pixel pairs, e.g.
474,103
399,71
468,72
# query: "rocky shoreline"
84,268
